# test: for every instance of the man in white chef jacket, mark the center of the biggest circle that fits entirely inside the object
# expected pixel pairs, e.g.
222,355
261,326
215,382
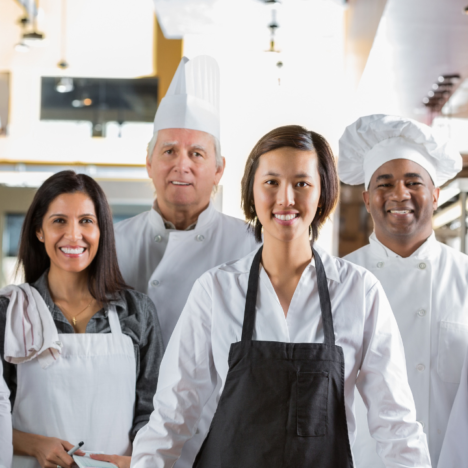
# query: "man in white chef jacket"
163,251
402,164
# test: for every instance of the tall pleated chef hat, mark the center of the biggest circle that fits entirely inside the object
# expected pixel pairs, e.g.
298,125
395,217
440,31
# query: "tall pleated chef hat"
376,139
192,100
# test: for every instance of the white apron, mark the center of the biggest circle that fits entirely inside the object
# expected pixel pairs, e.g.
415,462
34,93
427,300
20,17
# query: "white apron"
87,395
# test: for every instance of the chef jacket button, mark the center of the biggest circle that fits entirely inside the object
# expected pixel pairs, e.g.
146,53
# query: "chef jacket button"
158,238
200,238
422,266
421,312
155,283
421,367
380,264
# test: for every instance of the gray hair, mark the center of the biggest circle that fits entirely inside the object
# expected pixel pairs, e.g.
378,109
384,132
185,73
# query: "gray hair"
218,157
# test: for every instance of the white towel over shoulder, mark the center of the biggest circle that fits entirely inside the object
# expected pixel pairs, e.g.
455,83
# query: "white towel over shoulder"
30,330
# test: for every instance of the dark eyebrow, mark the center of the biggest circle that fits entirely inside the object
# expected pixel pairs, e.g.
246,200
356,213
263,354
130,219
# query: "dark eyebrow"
65,216
298,175
384,177
413,174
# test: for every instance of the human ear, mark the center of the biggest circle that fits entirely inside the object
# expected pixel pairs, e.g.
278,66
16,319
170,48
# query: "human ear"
220,171
435,198
366,198
40,235
148,166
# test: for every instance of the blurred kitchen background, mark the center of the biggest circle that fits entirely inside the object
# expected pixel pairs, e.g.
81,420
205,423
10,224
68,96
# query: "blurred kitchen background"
80,81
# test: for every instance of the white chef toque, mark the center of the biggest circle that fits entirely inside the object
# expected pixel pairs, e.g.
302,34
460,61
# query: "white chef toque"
192,100
376,139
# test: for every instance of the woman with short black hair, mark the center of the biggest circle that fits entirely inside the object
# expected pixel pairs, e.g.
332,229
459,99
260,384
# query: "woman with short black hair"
80,349
284,336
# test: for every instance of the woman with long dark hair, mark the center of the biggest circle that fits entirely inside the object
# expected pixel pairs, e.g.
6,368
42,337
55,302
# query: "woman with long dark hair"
80,349
284,336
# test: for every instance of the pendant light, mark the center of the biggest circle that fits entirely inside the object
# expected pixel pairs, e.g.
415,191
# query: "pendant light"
64,84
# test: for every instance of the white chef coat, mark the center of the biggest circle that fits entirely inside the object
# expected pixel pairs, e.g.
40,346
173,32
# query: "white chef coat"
428,295
164,263
6,445
454,453
195,364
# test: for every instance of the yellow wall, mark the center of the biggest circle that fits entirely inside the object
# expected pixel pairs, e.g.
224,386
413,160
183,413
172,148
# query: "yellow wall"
167,53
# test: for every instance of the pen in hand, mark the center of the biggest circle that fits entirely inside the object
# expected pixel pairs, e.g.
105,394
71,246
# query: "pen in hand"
75,448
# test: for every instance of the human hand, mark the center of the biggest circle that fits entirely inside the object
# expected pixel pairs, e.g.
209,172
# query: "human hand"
119,460
52,452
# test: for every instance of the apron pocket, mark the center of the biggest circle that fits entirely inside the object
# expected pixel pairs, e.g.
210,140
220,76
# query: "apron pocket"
312,403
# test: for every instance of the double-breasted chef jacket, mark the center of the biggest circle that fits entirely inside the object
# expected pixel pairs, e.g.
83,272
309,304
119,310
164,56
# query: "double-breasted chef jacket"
428,293
165,263
454,453
195,364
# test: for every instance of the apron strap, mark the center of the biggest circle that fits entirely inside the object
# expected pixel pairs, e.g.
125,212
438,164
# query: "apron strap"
114,321
248,326
325,303
251,300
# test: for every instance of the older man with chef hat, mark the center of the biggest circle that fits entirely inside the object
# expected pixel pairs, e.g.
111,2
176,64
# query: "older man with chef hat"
163,251
403,164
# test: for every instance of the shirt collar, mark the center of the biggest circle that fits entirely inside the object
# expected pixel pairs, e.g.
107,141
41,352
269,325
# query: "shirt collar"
329,264
205,218
426,250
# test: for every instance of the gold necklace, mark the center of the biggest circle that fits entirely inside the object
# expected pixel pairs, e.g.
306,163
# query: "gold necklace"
74,318
79,313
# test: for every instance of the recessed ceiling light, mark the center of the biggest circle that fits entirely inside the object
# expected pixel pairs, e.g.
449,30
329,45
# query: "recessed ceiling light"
21,47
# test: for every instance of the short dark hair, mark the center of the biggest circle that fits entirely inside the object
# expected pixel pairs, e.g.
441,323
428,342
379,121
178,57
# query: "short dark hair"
105,279
293,136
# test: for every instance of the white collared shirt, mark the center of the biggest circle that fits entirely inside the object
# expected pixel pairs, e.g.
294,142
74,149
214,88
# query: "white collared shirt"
196,361
428,295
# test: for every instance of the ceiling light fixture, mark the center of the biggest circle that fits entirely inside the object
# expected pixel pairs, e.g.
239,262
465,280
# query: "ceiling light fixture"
22,47
64,85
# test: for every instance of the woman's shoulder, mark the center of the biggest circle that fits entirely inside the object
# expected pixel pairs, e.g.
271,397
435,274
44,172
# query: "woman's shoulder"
135,302
346,272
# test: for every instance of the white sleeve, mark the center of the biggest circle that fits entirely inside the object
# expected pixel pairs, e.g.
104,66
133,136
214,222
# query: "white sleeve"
454,452
383,385
6,444
187,379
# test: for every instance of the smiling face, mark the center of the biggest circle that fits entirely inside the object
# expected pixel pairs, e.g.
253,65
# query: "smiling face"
183,168
286,193
70,232
401,200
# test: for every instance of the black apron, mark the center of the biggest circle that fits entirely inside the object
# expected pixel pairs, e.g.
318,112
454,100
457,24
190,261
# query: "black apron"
283,403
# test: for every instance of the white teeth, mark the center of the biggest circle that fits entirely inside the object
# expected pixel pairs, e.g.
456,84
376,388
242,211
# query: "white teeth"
400,211
285,217
72,251
179,183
